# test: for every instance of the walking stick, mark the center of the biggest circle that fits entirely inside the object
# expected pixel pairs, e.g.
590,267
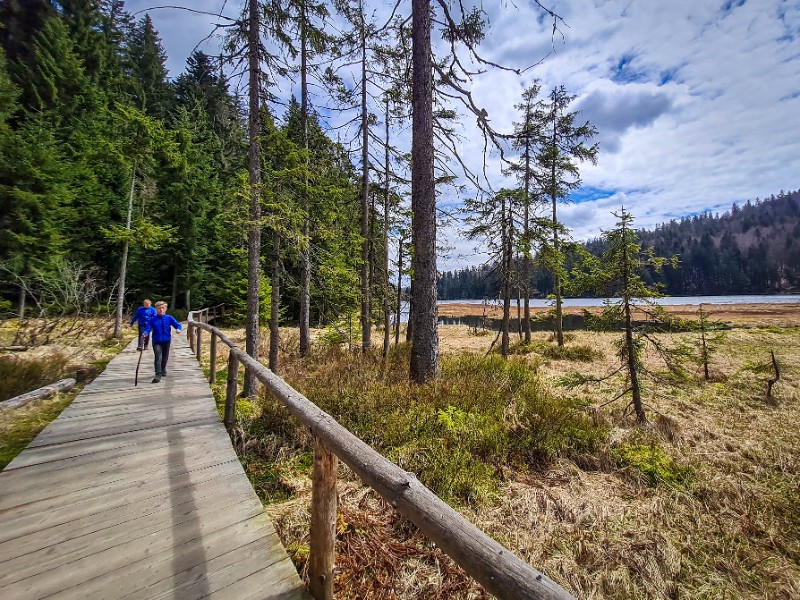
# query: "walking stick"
140,349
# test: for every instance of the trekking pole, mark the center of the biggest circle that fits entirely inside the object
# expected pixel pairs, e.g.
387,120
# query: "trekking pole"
141,350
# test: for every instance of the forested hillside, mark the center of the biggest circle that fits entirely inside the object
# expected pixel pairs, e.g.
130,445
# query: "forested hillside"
102,155
752,249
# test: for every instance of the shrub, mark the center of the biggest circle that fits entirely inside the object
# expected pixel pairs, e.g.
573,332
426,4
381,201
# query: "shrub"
581,353
550,427
455,433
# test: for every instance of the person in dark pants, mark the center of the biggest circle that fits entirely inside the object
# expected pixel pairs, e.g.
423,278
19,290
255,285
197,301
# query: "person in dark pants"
160,327
143,315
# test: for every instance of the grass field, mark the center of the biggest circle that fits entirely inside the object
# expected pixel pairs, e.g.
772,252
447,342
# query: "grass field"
698,503
87,346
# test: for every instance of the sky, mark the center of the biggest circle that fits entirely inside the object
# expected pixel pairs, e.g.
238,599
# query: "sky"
697,102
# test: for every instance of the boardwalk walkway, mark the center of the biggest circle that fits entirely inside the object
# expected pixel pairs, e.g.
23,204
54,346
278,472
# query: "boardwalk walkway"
135,492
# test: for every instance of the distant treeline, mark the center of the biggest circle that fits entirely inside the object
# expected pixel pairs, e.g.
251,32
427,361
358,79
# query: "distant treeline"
752,249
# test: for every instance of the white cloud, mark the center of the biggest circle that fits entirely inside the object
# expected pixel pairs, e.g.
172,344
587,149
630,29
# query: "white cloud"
696,102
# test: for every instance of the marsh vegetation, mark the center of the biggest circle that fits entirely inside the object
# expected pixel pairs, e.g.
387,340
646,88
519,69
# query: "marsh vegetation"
697,502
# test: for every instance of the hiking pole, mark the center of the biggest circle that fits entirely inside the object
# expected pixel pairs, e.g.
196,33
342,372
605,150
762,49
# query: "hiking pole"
141,350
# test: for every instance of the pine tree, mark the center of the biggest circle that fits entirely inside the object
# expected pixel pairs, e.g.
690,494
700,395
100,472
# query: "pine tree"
499,213
562,145
146,70
526,137
620,272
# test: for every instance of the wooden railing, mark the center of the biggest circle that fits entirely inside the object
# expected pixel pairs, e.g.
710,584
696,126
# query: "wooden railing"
499,571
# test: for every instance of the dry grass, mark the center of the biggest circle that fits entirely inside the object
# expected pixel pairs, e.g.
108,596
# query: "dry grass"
21,372
730,529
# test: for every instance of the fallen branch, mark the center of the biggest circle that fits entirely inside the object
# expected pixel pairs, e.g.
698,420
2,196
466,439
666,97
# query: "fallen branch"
40,394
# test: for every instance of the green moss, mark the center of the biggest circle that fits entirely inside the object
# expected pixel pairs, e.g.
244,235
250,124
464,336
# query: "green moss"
652,462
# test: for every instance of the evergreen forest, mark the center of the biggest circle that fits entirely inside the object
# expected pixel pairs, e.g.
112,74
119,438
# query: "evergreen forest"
103,157
753,248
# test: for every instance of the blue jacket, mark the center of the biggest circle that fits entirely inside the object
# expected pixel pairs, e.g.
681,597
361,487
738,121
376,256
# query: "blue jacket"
143,315
161,328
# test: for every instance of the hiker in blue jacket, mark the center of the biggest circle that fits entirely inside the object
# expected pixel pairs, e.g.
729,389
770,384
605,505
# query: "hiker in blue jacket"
143,315
161,327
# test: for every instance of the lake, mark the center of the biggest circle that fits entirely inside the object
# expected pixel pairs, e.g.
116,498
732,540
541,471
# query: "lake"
577,321
665,301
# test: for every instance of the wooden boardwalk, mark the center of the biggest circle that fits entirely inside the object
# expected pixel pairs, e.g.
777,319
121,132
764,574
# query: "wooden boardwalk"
136,492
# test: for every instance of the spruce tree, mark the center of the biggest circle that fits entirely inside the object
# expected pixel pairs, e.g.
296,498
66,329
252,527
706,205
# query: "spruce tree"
621,272
562,145
146,70
525,140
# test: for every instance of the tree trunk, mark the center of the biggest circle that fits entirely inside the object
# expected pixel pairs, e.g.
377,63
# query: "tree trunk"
386,308
305,254
633,373
371,254
425,339
526,262
123,268
411,312
557,252
366,337
506,274
174,297
275,307
254,229
399,288
21,303
556,249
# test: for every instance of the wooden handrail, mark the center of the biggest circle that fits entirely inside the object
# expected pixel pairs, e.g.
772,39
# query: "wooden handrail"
497,569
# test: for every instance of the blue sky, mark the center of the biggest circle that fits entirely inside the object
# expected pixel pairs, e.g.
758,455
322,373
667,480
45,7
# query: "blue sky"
697,102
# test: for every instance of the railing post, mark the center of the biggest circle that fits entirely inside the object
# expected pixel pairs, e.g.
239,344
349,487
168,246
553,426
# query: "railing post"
324,505
212,376
190,333
199,348
231,390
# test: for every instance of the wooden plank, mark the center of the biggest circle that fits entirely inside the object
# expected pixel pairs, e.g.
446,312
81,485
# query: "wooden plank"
100,447
58,437
101,500
220,573
16,543
136,492
23,484
124,544
252,588
160,569
123,487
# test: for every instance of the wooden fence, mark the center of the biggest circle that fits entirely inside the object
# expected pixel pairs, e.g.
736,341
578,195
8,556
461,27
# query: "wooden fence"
499,571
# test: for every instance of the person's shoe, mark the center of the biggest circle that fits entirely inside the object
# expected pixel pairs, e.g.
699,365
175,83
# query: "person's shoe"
164,374
156,379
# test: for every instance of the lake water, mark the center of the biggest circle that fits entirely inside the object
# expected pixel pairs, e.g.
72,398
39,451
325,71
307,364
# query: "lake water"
665,301
573,322
577,322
